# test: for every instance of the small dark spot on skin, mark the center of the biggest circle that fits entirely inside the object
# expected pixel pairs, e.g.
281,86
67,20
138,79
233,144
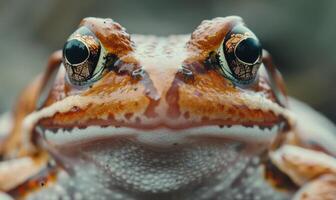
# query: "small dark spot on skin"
42,184
135,89
175,144
221,126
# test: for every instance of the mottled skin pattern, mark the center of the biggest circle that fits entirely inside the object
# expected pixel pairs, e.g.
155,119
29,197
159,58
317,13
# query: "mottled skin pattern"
168,87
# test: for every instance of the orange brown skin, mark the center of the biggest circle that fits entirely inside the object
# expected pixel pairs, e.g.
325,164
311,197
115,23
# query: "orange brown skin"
121,99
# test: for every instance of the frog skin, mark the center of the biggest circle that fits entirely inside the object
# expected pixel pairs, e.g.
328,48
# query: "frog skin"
200,116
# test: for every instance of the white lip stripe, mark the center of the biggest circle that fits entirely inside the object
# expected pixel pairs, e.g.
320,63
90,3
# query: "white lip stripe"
162,137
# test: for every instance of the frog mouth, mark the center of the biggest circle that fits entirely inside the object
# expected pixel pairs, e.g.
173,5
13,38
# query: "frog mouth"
163,137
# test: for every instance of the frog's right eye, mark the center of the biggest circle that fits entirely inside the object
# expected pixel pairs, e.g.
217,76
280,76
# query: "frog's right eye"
83,57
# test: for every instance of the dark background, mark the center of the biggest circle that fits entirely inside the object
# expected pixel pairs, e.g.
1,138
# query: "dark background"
299,34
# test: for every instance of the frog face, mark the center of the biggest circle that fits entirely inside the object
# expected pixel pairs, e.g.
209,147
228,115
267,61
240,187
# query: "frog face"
162,104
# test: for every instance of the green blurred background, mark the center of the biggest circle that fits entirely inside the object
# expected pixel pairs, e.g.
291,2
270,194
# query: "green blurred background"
299,34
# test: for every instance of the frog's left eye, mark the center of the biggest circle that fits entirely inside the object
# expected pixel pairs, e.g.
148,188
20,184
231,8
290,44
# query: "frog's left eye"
83,57
240,55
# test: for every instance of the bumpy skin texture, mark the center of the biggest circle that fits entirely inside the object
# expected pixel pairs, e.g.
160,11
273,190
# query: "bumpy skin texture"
154,91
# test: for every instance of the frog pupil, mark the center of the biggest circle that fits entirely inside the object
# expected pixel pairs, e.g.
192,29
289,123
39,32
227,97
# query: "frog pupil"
75,51
248,50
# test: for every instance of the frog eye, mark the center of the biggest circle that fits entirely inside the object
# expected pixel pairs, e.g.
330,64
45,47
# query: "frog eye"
240,55
83,57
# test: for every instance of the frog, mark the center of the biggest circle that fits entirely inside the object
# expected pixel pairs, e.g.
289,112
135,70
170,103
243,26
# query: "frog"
203,115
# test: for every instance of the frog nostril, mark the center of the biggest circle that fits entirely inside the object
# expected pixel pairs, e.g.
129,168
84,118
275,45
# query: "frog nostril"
186,73
138,73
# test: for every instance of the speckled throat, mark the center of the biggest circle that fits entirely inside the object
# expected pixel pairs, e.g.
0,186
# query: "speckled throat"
123,169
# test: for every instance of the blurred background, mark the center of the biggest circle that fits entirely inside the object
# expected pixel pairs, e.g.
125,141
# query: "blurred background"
299,34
